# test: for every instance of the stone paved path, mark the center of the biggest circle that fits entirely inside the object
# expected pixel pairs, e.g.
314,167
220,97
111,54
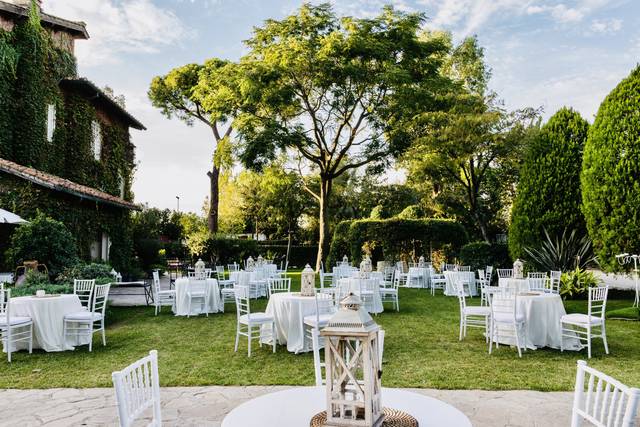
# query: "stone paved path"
207,406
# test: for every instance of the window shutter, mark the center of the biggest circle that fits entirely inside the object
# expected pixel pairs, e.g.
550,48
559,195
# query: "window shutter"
97,139
51,121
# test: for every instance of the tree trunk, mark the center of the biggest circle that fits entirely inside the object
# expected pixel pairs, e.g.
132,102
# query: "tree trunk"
323,241
212,219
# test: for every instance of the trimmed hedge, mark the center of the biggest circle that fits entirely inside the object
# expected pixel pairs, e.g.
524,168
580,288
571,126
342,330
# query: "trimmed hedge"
548,195
299,256
391,239
610,171
481,254
226,250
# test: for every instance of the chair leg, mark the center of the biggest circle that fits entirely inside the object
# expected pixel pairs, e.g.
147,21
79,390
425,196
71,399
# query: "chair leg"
604,339
90,337
589,342
249,340
561,337
237,337
31,338
273,335
461,322
491,326
104,336
518,341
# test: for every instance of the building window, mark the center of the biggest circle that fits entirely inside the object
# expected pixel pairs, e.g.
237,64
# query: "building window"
51,121
96,139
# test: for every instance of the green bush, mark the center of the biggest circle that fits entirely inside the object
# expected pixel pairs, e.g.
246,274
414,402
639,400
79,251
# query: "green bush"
391,239
299,256
481,254
46,240
150,253
34,278
411,212
561,253
47,287
574,284
548,195
98,271
225,250
610,171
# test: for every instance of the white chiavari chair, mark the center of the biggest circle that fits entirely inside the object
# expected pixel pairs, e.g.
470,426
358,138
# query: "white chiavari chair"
87,323
84,290
505,273
438,281
278,286
507,323
554,283
198,290
161,298
391,293
585,327
13,329
471,316
137,389
537,281
250,324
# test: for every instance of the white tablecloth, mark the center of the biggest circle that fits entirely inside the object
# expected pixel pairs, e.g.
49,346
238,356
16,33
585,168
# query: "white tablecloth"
48,314
469,277
352,285
418,277
256,277
289,310
520,285
182,302
542,322
296,406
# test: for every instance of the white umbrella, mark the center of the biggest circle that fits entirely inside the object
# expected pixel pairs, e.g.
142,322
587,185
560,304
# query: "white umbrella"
7,217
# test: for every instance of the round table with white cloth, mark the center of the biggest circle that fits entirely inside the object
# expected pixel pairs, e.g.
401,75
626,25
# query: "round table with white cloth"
295,408
289,310
47,314
520,285
468,277
542,313
371,302
254,279
417,277
181,307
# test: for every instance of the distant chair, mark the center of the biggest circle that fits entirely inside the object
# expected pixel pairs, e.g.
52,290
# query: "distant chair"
233,267
137,389
247,323
325,309
438,281
489,274
162,298
13,329
278,286
223,282
600,399
506,321
588,326
391,293
471,316
326,279
537,282
84,290
464,268
87,323
505,273
6,278
554,283
198,290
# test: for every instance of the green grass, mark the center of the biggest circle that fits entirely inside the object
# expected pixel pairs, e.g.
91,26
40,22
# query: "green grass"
630,313
421,350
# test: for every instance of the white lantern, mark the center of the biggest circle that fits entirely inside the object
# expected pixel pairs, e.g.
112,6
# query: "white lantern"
518,269
352,367
260,261
365,267
421,262
199,270
251,264
308,282
345,260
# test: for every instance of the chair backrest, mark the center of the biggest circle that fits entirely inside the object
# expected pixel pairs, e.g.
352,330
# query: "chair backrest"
5,302
554,284
388,273
537,281
464,268
84,290
449,267
504,303
602,400
220,272
505,273
243,305
137,389
156,281
324,305
6,278
233,267
489,272
459,287
100,297
598,301
276,285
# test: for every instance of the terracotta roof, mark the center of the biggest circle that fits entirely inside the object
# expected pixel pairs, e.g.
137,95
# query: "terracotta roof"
54,182
95,94
79,29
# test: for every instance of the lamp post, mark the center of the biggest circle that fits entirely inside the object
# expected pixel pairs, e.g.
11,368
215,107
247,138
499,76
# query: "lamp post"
626,258
177,203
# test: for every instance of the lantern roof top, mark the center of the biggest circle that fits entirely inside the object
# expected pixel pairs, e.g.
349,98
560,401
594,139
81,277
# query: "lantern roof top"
351,319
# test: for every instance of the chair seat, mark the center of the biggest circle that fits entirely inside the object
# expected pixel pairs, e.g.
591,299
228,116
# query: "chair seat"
14,320
83,315
580,319
507,318
313,321
256,318
388,291
477,311
228,291
171,292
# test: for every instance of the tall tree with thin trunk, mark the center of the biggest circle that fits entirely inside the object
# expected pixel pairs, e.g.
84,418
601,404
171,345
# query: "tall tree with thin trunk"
331,90
180,94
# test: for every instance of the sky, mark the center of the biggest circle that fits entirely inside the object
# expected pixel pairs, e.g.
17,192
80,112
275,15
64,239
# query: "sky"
543,53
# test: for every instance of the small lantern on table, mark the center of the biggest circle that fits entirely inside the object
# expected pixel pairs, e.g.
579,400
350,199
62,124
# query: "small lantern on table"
308,282
345,260
200,269
251,264
421,262
518,269
260,260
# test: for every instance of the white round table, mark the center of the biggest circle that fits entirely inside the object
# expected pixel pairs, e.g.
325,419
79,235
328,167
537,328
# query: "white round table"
352,285
520,285
289,310
296,406
469,277
181,307
47,314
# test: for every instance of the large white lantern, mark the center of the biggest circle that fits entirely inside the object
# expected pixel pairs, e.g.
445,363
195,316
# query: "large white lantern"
308,282
345,260
518,269
199,269
365,267
352,367
251,264
260,262
421,262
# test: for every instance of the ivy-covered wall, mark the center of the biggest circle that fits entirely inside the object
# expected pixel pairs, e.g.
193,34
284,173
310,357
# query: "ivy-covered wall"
31,68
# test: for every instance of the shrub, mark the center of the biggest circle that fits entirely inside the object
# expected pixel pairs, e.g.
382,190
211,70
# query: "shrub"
481,254
150,253
411,212
34,278
395,238
47,287
45,240
223,250
299,256
561,253
548,195
610,171
98,271
574,284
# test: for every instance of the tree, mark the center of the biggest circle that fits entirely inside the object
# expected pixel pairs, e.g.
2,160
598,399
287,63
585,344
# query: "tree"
332,91
194,93
610,171
548,195
468,153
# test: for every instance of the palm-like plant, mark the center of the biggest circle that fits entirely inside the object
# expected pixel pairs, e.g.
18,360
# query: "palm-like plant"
566,252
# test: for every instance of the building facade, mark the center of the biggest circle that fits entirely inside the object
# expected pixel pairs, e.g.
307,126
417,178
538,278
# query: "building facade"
65,144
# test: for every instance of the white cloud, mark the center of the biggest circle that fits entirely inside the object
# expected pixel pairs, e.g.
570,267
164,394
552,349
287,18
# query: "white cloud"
606,26
136,26
564,14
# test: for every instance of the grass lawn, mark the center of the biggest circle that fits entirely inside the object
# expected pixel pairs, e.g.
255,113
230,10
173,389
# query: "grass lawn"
421,350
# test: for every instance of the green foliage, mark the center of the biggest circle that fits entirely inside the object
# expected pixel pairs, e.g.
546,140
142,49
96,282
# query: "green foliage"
412,212
98,271
392,239
574,283
379,212
561,253
34,279
548,195
46,240
610,171
45,286
223,250
8,65
299,256
481,254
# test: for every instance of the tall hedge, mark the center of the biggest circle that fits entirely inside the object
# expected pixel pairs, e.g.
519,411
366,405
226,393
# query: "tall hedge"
611,174
548,195
391,239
